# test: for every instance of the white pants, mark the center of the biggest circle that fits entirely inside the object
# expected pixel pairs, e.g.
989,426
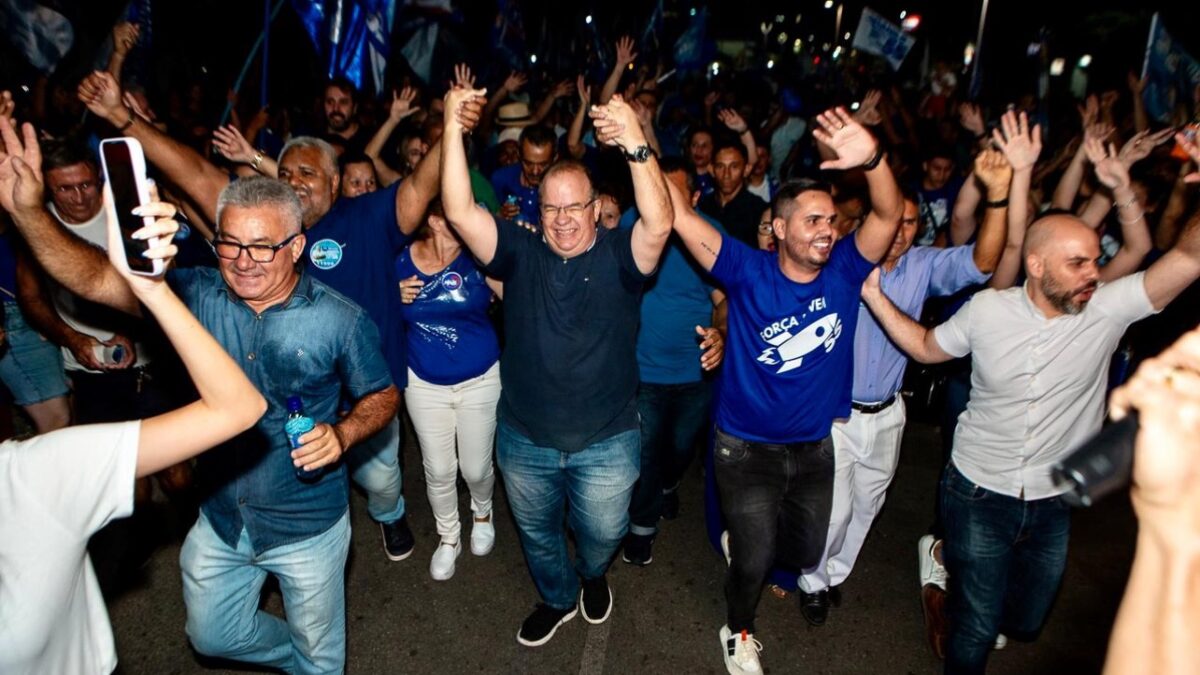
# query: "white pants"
866,451
446,416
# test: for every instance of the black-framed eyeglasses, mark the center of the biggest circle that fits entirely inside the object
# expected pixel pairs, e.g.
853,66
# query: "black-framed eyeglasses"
550,211
259,253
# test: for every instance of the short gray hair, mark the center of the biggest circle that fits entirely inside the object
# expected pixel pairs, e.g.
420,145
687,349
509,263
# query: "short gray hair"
329,158
258,191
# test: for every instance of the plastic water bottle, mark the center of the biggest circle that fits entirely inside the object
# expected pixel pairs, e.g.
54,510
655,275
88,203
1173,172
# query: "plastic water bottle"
297,425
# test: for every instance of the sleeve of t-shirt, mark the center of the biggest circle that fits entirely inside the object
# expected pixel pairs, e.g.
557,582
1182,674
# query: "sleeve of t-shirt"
848,262
512,241
83,475
954,336
376,210
953,270
1125,300
362,367
734,263
623,249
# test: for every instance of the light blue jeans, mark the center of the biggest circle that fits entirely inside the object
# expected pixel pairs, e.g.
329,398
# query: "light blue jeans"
374,466
597,482
222,587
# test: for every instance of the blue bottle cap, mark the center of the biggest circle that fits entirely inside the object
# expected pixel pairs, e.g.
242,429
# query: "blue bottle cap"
294,404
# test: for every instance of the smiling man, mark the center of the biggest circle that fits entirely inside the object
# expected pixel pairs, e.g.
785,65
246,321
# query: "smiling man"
568,425
787,371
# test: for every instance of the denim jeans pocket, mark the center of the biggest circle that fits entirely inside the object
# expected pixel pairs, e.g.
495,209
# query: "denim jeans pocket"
961,487
729,450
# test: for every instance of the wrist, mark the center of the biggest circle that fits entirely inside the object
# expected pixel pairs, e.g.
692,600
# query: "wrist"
876,159
997,194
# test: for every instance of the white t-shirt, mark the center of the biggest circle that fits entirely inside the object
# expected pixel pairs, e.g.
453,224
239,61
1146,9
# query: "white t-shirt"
1037,384
81,315
56,490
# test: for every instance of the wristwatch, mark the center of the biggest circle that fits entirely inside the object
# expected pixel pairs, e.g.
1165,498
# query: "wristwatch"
640,154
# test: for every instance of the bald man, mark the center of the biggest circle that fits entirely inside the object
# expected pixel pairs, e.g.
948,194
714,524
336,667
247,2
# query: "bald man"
1040,358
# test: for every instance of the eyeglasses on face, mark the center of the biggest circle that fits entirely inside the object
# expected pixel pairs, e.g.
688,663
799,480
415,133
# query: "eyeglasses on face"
550,211
259,253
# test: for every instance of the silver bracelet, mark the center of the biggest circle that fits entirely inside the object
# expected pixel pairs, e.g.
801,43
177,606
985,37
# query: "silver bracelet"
1131,202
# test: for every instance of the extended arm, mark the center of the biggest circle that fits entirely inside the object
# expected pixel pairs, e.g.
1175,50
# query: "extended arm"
419,189
473,223
1114,175
702,240
575,146
1177,269
994,171
625,56
962,220
1021,147
914,339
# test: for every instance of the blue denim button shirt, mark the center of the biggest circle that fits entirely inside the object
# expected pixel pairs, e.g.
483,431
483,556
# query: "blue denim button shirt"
315,345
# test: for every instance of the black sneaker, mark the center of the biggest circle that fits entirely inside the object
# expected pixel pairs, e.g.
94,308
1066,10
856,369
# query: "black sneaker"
397,539
596,600
815,607
835,596
540,626
638,549
670,506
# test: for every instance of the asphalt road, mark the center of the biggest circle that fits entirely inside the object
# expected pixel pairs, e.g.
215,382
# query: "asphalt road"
666,616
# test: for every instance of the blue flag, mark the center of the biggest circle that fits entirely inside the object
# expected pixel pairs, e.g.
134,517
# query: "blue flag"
350,35
876,35
690,48
43,35
1171,73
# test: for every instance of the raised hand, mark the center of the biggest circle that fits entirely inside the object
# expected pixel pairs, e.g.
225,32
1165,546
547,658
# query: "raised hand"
1110,170
21,185
514,82
1137,85
1099,131
711,98
562,89
1188,144
1020,144
162,230
138,109
731,119
994,171
402,104
584,91
617,124
463,77
625,53
851,141
1089,112
1142,144
125,36
102,95
971,119
232,145
464,108
868,109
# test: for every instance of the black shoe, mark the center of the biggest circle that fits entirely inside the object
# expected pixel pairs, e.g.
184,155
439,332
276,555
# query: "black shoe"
596,600
670,507
815,607
397,539
638,549
540,626
835,596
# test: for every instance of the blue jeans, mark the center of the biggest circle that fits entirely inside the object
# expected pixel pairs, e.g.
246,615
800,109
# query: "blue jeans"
672,417
1005,557
374,466
222,588
596,482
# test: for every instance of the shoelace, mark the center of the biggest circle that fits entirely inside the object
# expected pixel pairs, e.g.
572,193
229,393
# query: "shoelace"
743,642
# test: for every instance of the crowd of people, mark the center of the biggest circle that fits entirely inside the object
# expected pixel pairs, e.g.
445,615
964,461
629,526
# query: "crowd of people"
575,292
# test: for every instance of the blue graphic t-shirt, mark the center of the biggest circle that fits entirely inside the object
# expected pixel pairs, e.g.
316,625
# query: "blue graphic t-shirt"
507,183
450,338
353,250
789,356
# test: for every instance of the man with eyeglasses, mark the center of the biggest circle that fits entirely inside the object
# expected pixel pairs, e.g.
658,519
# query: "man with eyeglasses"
517,185
567,431
258,517
787,370
351,246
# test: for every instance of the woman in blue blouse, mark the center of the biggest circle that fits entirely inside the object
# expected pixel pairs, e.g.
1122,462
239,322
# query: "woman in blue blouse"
453,381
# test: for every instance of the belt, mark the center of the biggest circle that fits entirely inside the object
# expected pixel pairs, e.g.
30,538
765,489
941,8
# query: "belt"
872,408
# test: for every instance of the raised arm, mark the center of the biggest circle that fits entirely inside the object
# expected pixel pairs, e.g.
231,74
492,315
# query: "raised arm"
963,221
575,146
617,125
1135,235
625,56
1068,186
702,240
511,85
419,189
74,263
124,37
232,145
473,223
1021,146
856,147
1137,85
994,171
401,108
1177,269
914,339
734,122
559,90
199,178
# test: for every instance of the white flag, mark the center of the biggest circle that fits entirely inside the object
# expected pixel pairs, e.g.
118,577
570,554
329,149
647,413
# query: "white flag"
877,35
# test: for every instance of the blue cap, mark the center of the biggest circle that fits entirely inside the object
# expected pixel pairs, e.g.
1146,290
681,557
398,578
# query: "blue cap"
294,404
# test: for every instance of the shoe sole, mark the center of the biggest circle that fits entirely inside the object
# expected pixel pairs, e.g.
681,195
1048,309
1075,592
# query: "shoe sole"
635,563
392,556
730,666
933,607
544,640
477,552
607,613
457,555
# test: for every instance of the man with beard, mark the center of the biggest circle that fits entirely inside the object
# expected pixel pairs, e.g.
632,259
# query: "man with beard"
1040,358
340,104
787,371
351,246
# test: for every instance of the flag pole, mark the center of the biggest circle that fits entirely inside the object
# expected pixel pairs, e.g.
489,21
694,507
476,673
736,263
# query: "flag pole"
237,84
973,90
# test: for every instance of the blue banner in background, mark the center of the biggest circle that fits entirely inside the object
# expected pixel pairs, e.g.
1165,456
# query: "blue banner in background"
691,47
1171,73
352,36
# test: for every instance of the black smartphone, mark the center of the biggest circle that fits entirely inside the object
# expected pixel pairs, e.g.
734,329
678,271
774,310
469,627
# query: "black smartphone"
125,182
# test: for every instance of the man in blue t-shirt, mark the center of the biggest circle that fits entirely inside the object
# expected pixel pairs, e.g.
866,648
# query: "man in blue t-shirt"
351,246
516,185
567,420
788,367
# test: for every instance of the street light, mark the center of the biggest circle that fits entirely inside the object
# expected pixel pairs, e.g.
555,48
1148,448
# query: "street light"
587,19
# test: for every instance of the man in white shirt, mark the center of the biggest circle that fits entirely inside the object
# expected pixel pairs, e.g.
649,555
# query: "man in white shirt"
1040,359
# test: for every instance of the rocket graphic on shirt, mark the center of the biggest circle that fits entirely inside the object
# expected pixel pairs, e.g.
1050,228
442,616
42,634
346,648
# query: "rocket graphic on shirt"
789,348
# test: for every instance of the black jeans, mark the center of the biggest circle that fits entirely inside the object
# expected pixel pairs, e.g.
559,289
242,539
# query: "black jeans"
672,417
776,500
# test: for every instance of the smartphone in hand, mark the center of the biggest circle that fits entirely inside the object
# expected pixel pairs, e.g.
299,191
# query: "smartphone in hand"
125,182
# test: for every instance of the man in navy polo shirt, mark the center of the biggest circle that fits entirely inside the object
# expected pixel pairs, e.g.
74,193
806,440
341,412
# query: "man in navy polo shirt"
352,246
788,367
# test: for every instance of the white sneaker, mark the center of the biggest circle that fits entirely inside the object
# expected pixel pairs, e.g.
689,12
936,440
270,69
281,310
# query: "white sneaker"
441,567
741,652
725,546
1001,642
483,536
932,571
